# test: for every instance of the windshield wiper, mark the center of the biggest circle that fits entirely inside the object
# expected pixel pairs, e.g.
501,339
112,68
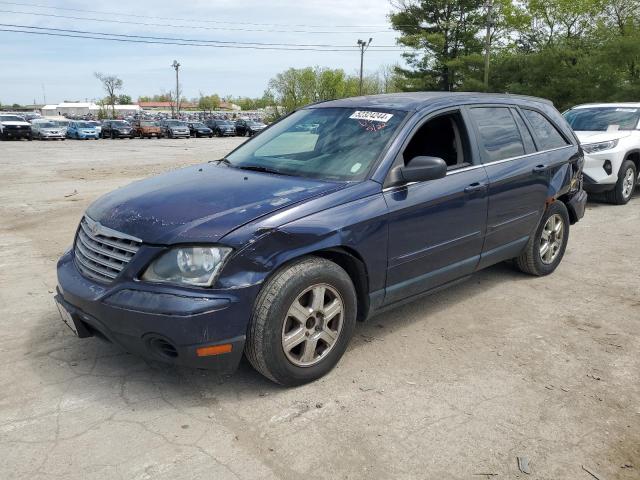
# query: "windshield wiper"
221,160
259,168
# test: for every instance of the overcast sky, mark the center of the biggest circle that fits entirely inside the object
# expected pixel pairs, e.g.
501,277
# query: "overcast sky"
65,66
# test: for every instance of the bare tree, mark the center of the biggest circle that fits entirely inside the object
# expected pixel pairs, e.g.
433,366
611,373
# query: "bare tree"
111,84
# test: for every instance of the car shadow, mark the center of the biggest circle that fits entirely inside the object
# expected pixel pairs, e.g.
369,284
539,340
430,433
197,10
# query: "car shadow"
63,355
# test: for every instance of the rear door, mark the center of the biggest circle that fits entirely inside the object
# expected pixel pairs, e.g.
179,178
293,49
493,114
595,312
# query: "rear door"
518,180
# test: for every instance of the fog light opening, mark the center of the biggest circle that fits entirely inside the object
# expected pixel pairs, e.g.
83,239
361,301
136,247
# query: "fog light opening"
161,347
607,167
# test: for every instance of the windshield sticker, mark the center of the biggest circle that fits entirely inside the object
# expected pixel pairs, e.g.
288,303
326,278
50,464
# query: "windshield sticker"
356,167
628,110
371,116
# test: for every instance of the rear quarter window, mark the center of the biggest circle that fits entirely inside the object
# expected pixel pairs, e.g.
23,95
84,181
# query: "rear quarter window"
547,135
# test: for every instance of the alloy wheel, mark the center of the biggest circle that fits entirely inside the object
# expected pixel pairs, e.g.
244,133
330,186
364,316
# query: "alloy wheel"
628,183
312,325
551,239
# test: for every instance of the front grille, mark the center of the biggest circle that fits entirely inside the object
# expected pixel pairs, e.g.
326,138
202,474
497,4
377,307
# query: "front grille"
101,253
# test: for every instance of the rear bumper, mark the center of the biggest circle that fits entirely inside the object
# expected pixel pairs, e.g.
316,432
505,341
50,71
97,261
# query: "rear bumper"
577,206
155,322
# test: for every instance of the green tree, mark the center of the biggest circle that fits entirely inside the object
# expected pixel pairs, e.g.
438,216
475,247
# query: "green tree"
444,41
124,100
111,84
209,103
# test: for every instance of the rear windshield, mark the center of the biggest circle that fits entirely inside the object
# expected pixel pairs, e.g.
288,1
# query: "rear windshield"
600,119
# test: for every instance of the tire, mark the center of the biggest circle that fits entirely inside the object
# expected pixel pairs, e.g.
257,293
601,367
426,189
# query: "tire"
270,320
532,260
113,136
625,186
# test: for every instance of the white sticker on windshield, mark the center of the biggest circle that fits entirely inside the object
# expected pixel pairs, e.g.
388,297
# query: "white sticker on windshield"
371,116
629,110
356,167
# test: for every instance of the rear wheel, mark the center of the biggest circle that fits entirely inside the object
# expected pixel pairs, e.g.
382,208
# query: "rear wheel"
547,245
627,180
302,322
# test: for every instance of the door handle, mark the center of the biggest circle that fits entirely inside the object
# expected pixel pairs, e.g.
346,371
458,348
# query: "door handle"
475,187
540,169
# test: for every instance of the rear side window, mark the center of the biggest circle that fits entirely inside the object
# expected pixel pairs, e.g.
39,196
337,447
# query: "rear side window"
546,133
499,135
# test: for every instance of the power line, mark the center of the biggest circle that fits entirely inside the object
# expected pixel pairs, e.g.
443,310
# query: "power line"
153,42
177,39
223,22
200,27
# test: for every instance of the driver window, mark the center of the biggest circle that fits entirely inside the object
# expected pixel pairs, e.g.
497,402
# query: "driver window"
445,137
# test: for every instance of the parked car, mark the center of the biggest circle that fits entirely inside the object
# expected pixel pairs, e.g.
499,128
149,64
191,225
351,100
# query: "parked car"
46,130
279,248
248,127
96,124
199,129
222,128
610,137
146,129
174,129
116,129
14,127
82,131
60,122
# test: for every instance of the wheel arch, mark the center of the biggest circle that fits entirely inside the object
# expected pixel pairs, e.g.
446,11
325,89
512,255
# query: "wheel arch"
634,156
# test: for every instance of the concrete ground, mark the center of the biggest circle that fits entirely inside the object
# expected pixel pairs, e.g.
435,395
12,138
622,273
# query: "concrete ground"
453,386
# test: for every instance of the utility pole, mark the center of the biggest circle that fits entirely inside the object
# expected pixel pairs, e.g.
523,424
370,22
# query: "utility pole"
176,66
487,43
363,48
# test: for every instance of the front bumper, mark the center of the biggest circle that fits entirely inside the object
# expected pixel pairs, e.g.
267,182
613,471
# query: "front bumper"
595,173
53,136
145,318
180,134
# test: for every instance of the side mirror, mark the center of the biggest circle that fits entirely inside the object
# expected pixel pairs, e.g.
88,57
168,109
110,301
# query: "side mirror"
419,169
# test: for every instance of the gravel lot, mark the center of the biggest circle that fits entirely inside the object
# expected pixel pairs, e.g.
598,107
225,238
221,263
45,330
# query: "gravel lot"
455,385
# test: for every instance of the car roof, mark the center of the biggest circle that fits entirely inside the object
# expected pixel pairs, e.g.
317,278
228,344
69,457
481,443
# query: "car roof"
412,101
609,105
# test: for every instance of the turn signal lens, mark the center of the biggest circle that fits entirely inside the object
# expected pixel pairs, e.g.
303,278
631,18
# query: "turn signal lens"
214,350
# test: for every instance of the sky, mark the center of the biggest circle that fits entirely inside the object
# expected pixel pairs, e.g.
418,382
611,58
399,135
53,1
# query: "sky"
40,67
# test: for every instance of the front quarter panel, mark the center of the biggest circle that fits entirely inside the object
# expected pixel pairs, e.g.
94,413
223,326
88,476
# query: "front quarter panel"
358,226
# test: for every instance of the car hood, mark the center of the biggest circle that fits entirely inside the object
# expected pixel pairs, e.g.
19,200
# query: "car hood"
201,203
587,137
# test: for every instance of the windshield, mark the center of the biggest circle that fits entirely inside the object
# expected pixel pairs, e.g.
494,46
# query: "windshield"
120,124
11,118
224,122
343,147
148,124
176,123
600,119
62,123
84,125
46,125
199,125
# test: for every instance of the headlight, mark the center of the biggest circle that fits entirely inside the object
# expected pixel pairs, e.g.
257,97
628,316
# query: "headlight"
600,147
198,266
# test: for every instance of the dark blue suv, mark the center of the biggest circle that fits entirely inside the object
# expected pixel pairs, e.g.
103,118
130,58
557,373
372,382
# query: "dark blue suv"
277,250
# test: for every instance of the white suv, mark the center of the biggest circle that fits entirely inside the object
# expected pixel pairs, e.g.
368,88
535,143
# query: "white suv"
610,137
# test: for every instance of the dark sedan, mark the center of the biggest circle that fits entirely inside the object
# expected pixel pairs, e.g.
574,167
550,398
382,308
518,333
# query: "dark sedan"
199,129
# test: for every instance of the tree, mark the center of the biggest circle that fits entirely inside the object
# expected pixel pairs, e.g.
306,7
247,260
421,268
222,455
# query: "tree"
111,84
124,100
444,38
209,103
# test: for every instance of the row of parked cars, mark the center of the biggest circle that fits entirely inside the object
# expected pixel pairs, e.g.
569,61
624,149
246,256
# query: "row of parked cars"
16,127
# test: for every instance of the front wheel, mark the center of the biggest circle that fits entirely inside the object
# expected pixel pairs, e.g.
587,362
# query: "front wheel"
302,322
546,247
627,180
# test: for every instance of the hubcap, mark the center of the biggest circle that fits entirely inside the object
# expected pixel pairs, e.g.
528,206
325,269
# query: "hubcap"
551,239
312,325
628,183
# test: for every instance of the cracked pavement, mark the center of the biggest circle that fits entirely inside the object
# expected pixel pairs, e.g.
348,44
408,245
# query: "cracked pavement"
452,386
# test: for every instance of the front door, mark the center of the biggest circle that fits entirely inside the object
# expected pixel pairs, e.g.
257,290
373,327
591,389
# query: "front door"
436,228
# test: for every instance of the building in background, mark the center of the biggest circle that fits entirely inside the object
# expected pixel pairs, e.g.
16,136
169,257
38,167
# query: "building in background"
81,109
